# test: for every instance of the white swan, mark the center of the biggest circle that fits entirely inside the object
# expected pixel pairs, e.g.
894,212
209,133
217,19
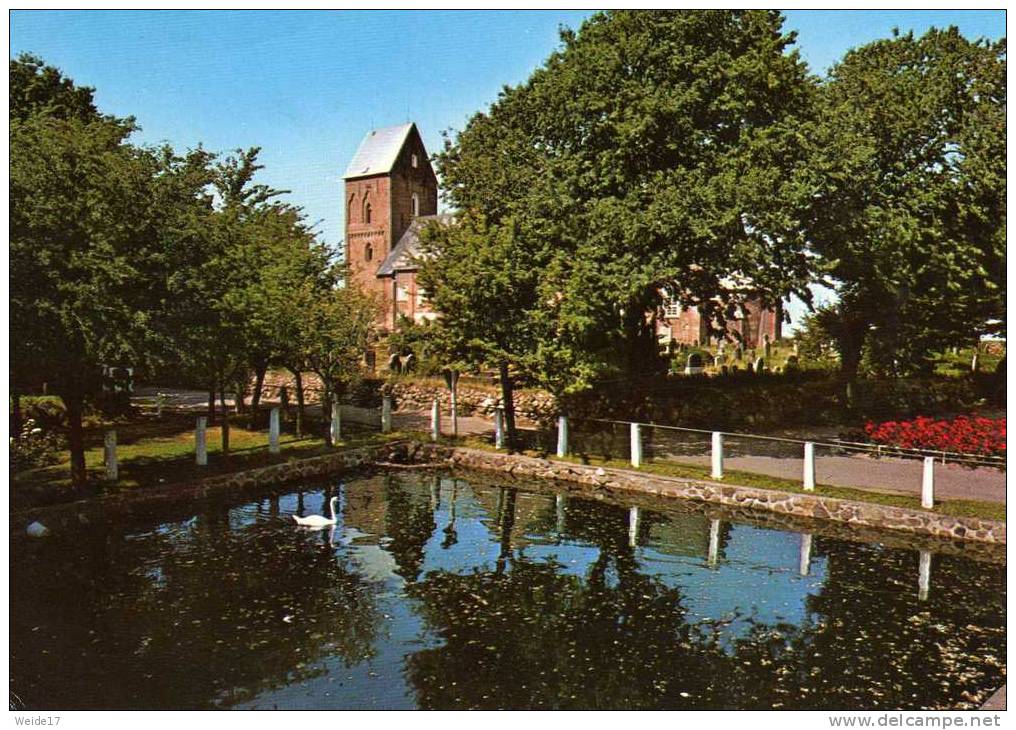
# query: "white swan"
318,520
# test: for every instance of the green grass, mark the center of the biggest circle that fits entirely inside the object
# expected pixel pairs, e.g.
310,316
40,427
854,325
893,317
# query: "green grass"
153,452
952,507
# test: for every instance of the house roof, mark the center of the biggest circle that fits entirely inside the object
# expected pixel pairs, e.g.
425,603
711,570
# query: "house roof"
378,151
403,255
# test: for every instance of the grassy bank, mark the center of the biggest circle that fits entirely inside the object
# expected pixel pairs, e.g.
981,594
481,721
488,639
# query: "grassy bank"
153,451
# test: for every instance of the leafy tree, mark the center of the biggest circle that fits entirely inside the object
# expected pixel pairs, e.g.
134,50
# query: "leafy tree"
652,153
38,89
908,202
87,273
478,278
337,326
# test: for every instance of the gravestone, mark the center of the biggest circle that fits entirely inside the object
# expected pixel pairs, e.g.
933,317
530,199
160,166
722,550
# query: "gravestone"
739,353
410,363
792,364
395,363
724,369
767,348
760,365
694,365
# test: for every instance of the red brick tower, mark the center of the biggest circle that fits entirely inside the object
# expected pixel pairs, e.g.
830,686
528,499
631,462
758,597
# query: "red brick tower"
388,183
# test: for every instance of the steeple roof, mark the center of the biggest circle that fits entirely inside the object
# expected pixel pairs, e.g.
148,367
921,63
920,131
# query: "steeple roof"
378,151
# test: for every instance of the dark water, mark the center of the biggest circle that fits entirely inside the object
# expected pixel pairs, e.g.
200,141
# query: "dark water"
437,593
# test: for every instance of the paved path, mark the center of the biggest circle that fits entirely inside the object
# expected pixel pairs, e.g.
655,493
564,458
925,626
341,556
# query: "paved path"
886,475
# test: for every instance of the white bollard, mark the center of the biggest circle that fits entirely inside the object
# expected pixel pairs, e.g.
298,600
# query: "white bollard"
109,452
336,427
435,420
498,428
804,567
923,575
562,436
809,467
200,444
714,543
273,431
636,445
928,483
633,526
386,414
717,472
455,411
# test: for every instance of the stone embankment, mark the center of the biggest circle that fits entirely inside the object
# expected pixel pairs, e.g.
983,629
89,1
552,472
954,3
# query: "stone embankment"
616,481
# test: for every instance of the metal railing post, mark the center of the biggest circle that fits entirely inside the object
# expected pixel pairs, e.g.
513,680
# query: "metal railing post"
928,483
809,466
562,436
717,472
636,445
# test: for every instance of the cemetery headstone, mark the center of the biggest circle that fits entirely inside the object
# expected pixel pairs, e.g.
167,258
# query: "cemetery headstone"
410,363
760,365
395,363
695,364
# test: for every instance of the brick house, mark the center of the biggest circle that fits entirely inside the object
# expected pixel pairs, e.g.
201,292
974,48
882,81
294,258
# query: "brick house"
686,325
391,194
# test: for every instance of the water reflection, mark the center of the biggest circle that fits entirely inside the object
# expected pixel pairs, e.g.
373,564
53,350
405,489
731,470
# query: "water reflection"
437,593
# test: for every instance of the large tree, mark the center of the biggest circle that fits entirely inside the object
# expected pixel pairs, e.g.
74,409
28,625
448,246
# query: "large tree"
652,154
89,214
908,204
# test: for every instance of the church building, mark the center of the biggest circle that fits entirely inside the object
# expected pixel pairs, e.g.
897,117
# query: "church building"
391,194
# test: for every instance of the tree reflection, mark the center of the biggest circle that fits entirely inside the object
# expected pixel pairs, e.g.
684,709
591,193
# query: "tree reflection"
195,617
409,522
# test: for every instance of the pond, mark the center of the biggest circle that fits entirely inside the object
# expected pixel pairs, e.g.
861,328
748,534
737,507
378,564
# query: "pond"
432,591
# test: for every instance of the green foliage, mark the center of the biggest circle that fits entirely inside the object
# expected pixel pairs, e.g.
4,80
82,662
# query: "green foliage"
337,327
908,211
33,447
651,153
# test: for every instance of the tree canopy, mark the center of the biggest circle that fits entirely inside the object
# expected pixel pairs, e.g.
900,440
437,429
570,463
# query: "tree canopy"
908,209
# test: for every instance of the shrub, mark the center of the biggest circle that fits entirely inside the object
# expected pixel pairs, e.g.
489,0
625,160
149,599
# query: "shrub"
964,434
34,448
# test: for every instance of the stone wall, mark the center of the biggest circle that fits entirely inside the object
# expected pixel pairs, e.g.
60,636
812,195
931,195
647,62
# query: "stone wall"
618,481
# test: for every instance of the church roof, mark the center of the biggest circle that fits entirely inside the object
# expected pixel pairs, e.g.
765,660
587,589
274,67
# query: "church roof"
403,255
378,151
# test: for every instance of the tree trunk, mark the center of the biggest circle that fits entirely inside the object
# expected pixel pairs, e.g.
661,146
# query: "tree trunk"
211,405
225,420
508,402
326,406
76,441
299,402
16,422
240,404
255,397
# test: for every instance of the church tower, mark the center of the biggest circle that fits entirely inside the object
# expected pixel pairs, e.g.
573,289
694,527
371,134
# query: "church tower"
388,183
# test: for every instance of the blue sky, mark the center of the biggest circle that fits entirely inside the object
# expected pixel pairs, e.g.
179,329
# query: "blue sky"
306,86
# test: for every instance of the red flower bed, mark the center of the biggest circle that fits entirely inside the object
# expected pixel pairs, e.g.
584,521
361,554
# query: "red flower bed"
967,435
